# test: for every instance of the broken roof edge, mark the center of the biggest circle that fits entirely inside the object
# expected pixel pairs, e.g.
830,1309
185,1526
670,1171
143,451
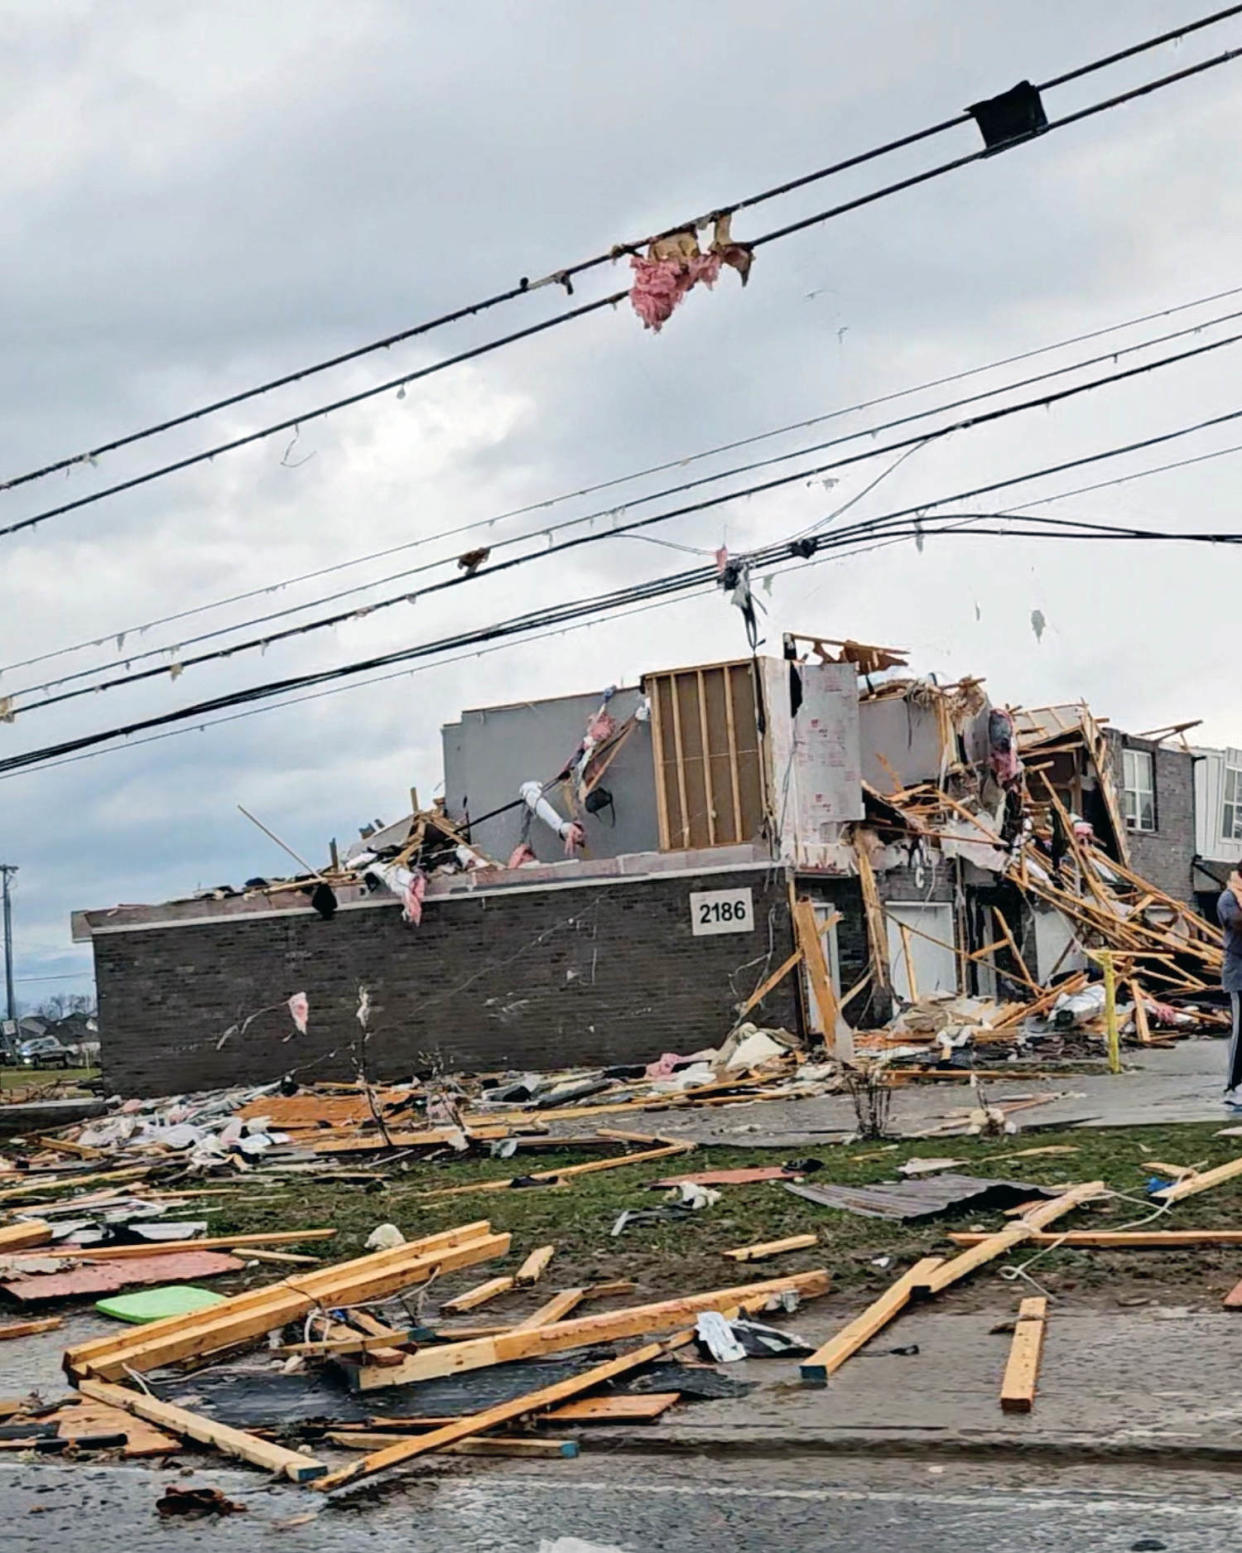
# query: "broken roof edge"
629,867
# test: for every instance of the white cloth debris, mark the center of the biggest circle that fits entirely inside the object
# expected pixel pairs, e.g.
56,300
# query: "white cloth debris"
384,1237
716,1335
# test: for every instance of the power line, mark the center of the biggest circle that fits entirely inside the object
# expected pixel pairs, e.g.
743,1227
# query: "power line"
675,463
404,673
547,531
294,422
328,621
675,584
564,277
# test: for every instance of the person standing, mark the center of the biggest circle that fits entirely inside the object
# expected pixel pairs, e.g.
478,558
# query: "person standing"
1229,915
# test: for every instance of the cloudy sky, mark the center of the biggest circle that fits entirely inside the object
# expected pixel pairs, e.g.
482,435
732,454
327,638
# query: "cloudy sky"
198,197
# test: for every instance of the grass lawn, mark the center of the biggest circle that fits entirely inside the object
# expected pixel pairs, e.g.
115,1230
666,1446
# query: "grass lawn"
686,1255
40,1078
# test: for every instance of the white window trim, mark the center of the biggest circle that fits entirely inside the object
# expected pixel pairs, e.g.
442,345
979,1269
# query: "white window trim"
1137,790
1231,826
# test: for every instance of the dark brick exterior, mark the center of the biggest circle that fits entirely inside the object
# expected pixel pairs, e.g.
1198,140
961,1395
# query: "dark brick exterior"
534,979
1164,856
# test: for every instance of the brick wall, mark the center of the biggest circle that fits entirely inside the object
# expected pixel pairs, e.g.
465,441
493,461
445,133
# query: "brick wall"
521,979
1164,855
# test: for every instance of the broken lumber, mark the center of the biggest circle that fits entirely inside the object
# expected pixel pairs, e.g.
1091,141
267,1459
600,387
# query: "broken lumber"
1192,1186
360,1342
1233,1300
809,932
479,1295
828,1359
477,1423
630,1321
992,1246
550,1177
246,1316
766,986
766,1248
192,1426
1022,1370
166,1247
35,1233
552,1310
1120,1240
30,1328
534,1267
639,1408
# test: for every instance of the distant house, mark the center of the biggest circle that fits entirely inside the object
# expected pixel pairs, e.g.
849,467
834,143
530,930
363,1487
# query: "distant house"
1218,822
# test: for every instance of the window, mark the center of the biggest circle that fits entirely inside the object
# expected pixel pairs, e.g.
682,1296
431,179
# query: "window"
1140,790
1231,826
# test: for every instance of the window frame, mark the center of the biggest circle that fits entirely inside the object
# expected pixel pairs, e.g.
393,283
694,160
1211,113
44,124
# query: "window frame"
1136,762
1231,826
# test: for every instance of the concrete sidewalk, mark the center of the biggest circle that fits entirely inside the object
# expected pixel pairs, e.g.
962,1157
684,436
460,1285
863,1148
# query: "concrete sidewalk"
1182,1083
1157,1383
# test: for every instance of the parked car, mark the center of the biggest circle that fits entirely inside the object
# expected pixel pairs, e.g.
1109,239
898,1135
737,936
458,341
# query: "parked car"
45,1051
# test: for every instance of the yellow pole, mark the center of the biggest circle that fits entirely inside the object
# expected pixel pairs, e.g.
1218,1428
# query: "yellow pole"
1105,958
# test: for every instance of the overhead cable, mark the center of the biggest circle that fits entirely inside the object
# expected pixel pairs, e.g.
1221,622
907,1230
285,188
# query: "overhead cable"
936,434
565,276
296,421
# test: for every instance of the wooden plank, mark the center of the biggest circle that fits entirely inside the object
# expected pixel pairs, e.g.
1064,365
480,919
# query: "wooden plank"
761,992
192,1426
1120,1240
250,1315
534,1267
571,1170
29,1328
1233,1300
630,1321
657,758
876,935
828,1359
555,1309
84,1416
614,1409
1007,935
1142,1026
1022,1370
1192,1186
167,1247
284,1258
907,953
992,1246
767,1248
472,1445
734,778
358,1342
479,1295
811,943
476,1423
33,1233
707,762
680,759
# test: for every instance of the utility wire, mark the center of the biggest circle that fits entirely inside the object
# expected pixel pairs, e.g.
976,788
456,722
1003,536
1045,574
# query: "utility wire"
547,531
142,627
294,422
602,605
814,560
564,277
327,621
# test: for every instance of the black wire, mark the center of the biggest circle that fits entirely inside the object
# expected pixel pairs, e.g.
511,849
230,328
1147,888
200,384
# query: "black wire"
546,531
327,621
766,558
564,276
611,301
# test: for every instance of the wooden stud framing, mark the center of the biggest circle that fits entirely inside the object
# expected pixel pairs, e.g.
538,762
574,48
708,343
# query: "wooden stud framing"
479,1295
1022,1370
734,777
680,757
912,981
1119,1240
766,986
657,760
1200,1183
707,760
555,1309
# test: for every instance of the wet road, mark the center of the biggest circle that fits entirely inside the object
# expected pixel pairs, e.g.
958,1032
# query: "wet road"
639,1504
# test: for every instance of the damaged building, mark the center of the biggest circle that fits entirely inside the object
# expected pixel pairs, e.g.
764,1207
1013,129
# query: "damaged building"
812,841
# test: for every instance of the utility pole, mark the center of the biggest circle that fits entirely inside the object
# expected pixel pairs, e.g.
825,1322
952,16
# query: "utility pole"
7,870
